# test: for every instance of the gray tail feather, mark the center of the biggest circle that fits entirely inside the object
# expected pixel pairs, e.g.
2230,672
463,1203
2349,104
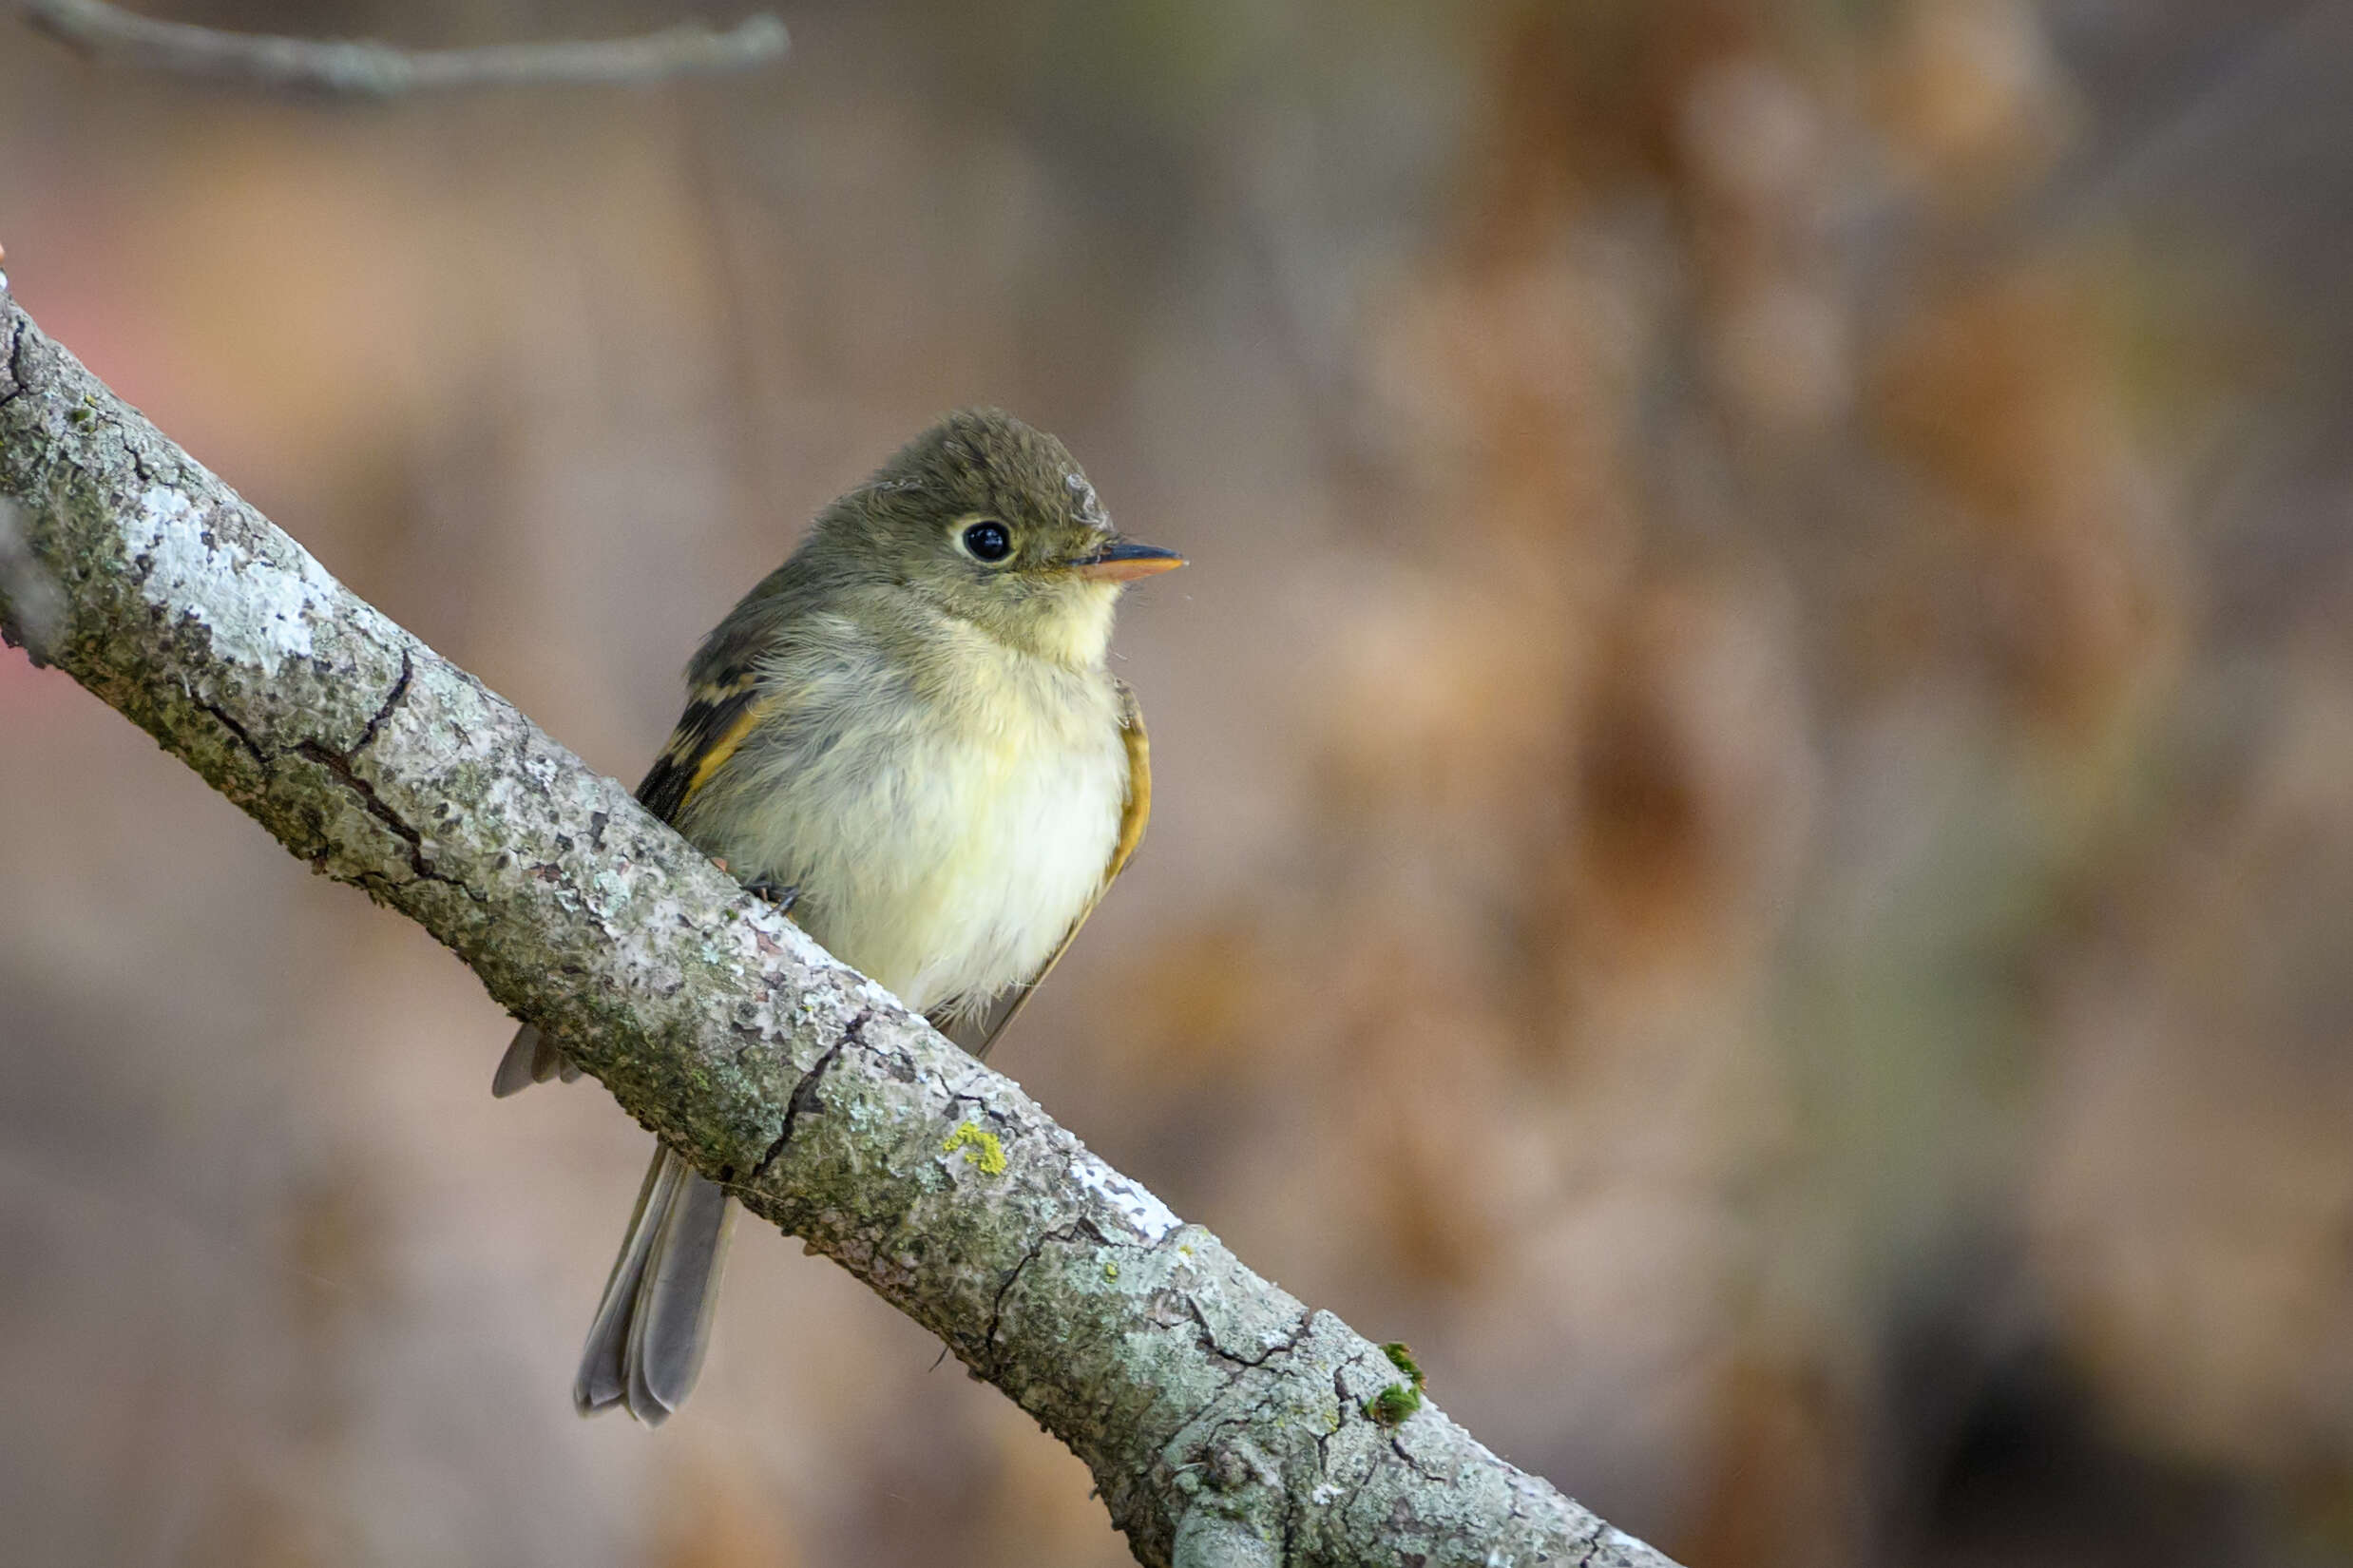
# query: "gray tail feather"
654,1324
531,1058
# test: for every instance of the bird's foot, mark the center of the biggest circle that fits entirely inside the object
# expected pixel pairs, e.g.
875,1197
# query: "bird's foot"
782,895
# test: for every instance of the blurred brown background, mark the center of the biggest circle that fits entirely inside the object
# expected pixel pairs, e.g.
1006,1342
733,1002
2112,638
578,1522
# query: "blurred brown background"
1754,838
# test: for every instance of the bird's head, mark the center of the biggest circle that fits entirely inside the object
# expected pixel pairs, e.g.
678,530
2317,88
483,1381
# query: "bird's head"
992,522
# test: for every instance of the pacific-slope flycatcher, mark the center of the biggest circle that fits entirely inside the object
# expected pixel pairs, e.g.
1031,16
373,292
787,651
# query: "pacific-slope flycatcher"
907,736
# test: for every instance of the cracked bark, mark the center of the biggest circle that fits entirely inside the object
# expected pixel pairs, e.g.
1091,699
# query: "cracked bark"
812,1093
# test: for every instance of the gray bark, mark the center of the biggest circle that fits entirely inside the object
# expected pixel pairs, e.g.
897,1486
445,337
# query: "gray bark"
1225,1423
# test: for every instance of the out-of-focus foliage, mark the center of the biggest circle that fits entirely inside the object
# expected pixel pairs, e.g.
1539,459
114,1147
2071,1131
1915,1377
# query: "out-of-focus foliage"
1754,845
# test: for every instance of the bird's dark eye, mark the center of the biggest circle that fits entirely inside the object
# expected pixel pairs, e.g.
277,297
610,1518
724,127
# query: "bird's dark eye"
988,542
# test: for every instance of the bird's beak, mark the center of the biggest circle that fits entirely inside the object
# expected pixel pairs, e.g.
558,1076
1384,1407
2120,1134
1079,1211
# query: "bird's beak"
1124,563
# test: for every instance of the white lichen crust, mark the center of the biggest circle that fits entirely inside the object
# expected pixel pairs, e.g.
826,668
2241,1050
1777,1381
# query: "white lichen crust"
1224,1422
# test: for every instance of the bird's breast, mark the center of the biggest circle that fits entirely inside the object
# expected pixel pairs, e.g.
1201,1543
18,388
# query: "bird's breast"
942,846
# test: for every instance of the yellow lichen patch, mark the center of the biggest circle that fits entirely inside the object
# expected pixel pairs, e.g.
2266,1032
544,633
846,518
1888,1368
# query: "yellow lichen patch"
979,1146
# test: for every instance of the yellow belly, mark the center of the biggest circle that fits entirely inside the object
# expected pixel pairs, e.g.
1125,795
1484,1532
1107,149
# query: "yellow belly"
943,853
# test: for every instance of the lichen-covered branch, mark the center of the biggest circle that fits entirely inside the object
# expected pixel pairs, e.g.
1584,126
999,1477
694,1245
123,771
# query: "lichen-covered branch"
365,68
1225,1423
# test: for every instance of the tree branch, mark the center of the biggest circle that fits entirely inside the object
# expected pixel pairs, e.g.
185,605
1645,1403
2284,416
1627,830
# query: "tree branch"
1225,1423
365,68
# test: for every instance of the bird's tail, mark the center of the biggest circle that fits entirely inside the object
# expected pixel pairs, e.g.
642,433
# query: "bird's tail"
646,1345
531,1058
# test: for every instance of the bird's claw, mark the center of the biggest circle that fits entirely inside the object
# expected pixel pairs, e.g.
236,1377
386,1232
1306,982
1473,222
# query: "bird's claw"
780,895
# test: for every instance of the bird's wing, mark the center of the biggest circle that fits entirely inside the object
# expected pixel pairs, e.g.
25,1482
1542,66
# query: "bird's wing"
1134,812
720,710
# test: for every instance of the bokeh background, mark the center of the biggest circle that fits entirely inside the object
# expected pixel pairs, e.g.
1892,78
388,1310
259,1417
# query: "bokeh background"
1755,835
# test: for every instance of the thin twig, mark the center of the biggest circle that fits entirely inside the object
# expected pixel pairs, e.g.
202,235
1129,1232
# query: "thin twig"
365,68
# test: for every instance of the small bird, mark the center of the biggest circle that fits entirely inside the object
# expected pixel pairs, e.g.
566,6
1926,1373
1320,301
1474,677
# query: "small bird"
908,737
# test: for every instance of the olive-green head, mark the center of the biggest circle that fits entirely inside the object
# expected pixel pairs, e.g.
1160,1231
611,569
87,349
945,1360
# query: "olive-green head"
992,521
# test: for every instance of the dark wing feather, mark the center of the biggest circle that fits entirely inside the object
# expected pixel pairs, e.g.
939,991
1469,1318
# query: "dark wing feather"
720,712
1134,813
